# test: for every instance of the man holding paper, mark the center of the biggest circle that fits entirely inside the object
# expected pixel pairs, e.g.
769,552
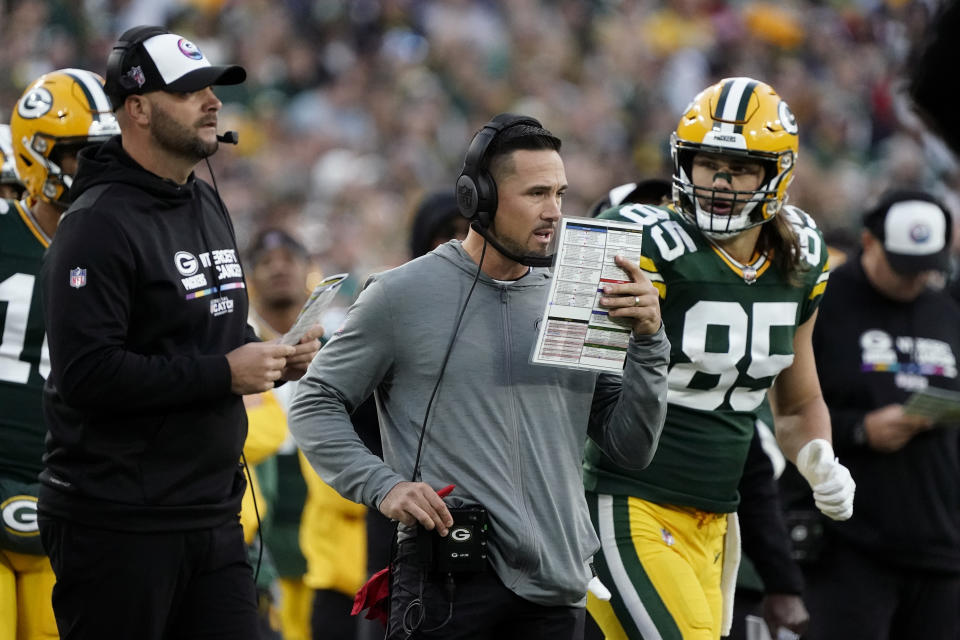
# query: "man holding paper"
893,570
444,342
146,313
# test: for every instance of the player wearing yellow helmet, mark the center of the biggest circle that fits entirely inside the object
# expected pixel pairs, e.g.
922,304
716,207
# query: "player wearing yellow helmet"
57,114
740,276
745,121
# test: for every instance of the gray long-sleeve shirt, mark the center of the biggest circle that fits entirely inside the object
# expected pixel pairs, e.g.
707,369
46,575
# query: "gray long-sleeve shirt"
508,433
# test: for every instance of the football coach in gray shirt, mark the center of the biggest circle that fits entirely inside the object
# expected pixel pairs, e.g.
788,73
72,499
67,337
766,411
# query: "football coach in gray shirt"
445,343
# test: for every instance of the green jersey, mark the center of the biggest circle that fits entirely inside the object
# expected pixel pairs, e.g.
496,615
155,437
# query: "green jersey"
731,328
24,358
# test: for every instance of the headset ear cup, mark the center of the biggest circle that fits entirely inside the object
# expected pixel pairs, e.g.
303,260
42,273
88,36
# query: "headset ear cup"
115,64
467,197
486,198
476,191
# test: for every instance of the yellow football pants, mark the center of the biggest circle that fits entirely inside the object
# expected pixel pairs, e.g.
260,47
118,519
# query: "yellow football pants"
663,566
26,585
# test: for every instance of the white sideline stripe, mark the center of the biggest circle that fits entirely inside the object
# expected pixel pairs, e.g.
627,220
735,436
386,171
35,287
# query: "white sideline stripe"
629,595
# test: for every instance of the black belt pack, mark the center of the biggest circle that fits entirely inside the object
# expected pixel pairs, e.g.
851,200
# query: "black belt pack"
463,549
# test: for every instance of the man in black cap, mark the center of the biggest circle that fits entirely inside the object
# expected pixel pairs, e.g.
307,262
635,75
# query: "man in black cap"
893,569
146,314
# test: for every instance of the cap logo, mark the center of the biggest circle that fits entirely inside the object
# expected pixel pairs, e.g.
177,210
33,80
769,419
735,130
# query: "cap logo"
136,74
35,104
465,197
189,49
920,233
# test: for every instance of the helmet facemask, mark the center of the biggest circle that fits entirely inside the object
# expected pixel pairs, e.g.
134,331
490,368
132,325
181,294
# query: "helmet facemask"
50,154
713,209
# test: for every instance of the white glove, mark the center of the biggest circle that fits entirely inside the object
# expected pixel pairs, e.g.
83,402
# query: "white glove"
596,588
832,485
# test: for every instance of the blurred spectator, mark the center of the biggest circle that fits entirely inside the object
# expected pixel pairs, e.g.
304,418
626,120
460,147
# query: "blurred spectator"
436,220
315,538
927,88
390,87
893,569
277,269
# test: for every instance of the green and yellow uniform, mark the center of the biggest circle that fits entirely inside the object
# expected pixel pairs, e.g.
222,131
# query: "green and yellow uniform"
731,328
26,578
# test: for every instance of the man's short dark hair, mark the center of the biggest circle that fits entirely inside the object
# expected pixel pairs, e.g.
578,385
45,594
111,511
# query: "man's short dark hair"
520,137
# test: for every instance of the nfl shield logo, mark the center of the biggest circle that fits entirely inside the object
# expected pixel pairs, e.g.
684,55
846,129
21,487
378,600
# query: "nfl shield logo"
78,277
136,74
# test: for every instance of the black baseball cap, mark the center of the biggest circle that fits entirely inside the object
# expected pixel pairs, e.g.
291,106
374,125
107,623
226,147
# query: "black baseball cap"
149,58
915,229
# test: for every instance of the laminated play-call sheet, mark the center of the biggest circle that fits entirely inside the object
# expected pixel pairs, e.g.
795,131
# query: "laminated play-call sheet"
320,298
576,331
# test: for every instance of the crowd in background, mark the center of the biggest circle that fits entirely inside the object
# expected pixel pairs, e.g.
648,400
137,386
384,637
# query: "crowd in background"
353,109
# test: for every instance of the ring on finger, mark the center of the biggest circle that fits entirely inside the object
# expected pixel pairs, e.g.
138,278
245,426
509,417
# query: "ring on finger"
636,301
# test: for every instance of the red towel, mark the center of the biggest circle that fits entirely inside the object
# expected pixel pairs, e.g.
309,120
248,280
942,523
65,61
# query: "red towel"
375,593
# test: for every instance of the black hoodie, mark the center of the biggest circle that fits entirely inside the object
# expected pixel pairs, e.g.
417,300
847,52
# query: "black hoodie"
143,297
872,351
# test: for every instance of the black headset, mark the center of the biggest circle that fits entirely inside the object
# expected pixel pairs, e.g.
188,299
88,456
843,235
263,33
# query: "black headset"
476,189
129,40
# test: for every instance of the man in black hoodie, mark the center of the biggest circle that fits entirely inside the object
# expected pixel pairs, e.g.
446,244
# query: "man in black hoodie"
893,569
146,308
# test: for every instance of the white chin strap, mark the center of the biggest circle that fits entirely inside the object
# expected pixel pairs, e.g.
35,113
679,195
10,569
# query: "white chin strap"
721,226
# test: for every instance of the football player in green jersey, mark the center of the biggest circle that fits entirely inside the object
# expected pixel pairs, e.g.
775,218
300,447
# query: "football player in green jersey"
740,276
58,114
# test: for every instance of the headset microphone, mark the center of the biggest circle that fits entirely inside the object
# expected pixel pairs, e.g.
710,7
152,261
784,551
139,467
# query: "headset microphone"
229,137
526,259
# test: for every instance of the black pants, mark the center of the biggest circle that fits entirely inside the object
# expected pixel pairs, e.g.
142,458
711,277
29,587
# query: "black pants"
150,586
851,595
746,602
481,608
331,619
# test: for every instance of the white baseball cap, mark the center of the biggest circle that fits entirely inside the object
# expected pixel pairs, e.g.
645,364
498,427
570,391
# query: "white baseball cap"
915,229
148,58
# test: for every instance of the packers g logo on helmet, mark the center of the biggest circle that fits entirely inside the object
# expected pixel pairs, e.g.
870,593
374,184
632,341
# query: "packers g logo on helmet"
35,103
746,119
61,112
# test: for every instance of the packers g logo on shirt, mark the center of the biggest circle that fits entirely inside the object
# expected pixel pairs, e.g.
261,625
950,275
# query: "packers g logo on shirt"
19,514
